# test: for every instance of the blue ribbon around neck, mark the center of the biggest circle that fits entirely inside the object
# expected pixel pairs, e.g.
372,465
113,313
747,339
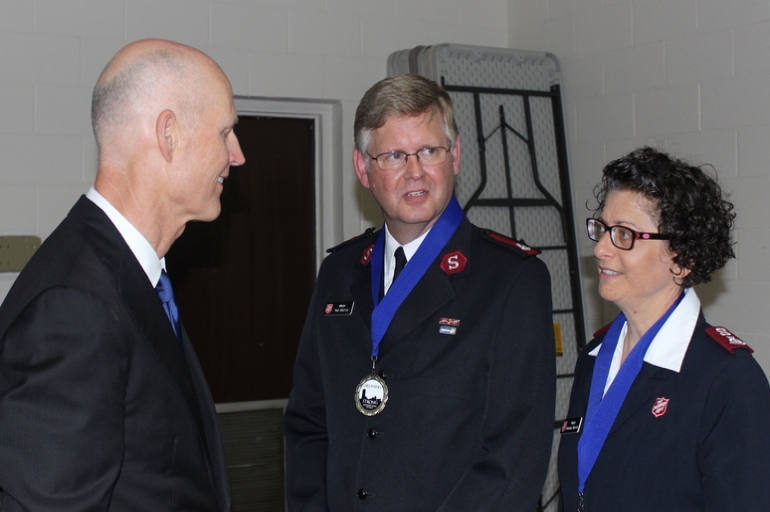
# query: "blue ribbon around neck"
434,243
602,412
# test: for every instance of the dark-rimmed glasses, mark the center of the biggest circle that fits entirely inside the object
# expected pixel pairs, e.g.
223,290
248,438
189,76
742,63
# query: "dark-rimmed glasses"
621,236
395,160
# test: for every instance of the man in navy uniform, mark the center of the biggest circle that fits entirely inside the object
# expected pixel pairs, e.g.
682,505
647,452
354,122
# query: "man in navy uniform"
425,378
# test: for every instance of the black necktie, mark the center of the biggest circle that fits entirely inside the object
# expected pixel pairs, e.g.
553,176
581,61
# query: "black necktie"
400,263
166,294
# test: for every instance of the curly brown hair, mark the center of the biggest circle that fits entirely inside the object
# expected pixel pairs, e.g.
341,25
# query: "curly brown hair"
690,207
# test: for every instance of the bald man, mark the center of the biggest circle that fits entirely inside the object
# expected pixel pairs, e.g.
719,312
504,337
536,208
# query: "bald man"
103,405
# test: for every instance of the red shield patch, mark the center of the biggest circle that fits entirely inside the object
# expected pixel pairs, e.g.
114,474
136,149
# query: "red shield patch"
366,255
329,308
660,407
453,262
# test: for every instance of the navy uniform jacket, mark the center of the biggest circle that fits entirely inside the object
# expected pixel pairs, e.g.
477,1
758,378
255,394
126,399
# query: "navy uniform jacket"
708,451
100,408
468,423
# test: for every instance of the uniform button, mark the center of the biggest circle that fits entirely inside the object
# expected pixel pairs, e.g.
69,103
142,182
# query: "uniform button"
362,494
384,375
372,434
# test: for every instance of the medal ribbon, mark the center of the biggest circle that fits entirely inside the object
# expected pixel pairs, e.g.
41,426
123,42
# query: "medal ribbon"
602,412
434,243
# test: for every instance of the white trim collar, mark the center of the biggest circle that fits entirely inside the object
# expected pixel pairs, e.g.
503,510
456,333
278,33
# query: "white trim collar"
669,346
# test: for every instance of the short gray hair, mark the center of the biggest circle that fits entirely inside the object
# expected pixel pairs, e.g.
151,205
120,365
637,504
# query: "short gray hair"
114,99
401,95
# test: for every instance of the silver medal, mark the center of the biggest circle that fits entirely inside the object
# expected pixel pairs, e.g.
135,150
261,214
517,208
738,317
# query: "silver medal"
371,395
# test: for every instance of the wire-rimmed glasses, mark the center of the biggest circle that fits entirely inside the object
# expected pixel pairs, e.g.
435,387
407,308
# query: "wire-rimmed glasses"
395,160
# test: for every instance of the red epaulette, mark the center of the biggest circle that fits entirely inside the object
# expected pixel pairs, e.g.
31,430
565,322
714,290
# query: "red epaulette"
509,242
352,240
603,330
726,339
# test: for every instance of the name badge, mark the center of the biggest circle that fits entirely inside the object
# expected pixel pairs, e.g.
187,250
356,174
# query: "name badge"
571,425
339,309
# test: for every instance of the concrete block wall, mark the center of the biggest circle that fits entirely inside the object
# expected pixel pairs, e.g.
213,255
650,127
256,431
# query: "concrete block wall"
688,76
52,51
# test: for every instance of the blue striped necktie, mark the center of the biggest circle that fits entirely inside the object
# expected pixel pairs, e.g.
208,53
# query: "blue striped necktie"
166,294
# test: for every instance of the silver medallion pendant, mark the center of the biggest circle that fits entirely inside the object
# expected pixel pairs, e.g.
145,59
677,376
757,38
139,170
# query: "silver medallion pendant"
371,395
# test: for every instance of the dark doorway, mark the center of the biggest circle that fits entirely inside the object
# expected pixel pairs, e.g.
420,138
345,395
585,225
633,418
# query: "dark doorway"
243,282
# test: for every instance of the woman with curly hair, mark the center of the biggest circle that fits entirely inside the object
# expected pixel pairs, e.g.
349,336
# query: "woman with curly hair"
667,412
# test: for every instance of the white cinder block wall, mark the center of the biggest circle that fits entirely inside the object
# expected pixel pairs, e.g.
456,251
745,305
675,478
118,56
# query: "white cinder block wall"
52,51
689,76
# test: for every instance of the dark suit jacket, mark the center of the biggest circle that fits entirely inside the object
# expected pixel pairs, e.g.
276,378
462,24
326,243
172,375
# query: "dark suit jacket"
469,420
709,451
100,408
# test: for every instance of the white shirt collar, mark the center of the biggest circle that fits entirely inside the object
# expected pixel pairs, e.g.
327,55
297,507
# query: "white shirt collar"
669,346
138,244
390,248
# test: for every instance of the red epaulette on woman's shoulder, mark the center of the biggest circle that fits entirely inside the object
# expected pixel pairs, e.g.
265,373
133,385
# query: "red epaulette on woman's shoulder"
603,330
726,339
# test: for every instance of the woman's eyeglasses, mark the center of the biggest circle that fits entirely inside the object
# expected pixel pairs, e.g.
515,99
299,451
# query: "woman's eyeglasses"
621,236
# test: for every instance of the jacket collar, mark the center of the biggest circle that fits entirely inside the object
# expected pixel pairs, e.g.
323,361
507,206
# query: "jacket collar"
669,346
432,291
141,301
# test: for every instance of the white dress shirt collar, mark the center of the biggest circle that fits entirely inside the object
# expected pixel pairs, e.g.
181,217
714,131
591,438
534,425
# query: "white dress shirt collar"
389,260
138,244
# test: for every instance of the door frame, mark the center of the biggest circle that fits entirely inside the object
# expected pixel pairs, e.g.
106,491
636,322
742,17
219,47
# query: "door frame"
327,116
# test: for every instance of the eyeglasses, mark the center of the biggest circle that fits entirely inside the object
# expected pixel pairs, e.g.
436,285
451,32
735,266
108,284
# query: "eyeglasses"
394,160
621,236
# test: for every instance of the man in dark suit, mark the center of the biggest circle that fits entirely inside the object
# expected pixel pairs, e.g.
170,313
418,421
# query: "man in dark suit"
103,405
425,377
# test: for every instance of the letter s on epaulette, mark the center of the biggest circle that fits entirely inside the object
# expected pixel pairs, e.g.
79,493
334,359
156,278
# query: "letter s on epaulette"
508,242
726,339
352,240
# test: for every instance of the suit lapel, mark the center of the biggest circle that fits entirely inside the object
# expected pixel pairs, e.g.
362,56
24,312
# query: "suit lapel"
644,387
142,302
433,291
